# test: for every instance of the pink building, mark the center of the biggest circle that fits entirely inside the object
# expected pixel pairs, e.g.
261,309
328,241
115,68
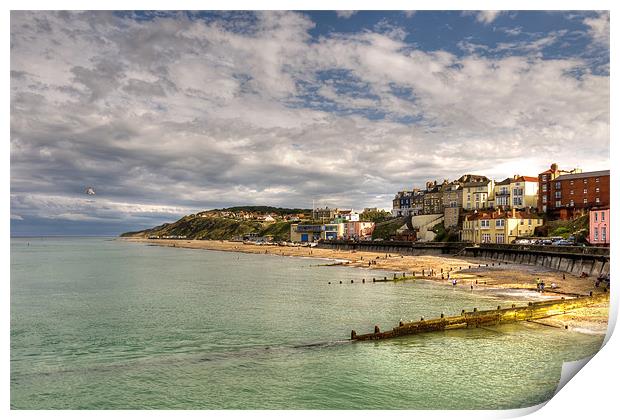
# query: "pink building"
358,230
599,226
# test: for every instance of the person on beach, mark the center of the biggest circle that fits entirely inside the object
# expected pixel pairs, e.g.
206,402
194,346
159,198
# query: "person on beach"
453,282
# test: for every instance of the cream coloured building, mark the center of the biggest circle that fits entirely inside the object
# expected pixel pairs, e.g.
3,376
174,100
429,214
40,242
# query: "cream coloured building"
518,192
499,227
478,195
523,192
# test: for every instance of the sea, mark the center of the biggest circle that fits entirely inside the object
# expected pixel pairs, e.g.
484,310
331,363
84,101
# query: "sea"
102,323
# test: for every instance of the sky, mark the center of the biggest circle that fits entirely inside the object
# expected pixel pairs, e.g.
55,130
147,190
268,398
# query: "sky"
165,114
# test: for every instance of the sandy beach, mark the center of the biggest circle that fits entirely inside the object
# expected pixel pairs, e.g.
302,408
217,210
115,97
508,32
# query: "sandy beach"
515,280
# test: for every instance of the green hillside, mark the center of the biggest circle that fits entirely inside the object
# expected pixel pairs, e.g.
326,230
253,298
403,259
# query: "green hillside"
385,229
217,228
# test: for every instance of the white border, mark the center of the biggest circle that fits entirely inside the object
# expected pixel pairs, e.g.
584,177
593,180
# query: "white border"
590,395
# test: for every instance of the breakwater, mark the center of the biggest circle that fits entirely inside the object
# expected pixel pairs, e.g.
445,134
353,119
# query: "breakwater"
593,261
475,318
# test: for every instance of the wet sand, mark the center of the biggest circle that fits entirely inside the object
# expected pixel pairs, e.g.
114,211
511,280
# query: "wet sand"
514,280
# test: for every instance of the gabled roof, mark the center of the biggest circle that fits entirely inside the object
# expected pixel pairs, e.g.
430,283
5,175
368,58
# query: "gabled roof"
467,178
501,215
525,179
477,184
504,182
582,175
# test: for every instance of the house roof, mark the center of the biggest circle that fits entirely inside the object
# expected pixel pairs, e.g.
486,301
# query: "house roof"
525,179
504,182
582,175
477,184
501,215
471,178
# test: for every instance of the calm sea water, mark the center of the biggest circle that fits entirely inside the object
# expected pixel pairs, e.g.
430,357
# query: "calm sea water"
107,324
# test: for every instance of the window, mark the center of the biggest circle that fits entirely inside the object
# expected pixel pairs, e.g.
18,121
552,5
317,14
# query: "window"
572,182
596,180
499,238
585,201
484,224
595,216
558,194
596,234
572,192
585,190
585,180
598,200
572,203
544,188
499,223
544,200
486,238
558,185
558,203
597,189
522,221
543,177
602,216
604,234
529,222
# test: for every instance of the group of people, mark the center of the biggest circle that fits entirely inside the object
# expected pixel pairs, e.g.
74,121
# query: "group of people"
540,285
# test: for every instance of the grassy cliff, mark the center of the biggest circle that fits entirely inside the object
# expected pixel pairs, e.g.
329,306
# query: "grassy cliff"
217,228
385,229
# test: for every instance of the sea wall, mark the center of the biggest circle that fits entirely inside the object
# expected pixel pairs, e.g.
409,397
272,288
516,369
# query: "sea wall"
593,261
575,260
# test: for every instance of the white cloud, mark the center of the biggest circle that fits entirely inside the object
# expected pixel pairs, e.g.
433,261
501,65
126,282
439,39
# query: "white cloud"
599,28
487,16
345,14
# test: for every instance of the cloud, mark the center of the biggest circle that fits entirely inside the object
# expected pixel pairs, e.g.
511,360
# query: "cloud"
345,14
487,16
599,28
171,115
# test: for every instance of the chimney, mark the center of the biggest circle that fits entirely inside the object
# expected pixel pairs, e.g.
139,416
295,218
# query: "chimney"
554,167
514,213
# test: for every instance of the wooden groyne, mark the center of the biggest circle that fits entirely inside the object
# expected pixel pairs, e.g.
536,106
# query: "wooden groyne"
533,311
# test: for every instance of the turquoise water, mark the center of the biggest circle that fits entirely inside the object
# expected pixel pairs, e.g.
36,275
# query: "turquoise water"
107,324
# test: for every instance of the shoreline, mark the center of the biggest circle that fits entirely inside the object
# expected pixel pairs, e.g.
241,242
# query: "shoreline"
508,280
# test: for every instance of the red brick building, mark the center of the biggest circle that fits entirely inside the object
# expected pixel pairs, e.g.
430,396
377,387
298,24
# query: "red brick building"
545,197
573,194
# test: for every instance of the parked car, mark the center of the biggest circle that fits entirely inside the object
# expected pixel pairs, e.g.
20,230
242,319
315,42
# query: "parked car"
564,242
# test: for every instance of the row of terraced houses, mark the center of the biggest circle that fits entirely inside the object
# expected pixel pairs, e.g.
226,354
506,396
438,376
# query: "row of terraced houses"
486,210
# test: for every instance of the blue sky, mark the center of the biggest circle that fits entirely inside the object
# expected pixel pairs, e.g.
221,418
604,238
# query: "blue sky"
169,113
